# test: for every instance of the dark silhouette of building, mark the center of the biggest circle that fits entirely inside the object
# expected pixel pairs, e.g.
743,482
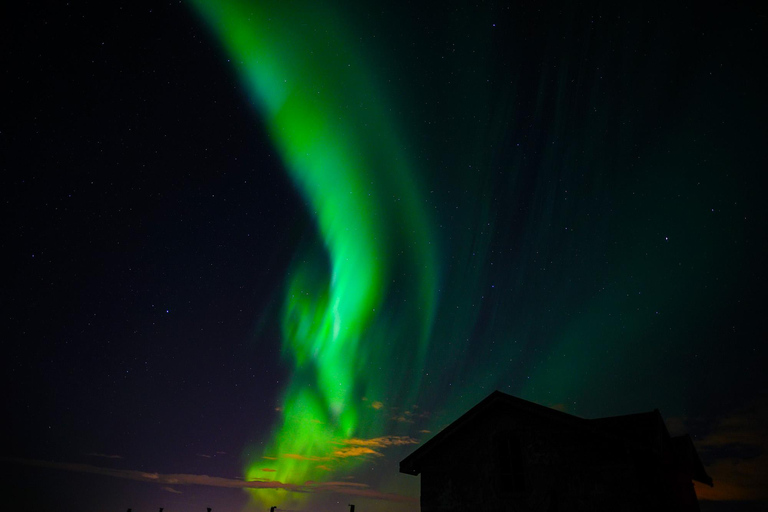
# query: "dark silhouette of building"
509,454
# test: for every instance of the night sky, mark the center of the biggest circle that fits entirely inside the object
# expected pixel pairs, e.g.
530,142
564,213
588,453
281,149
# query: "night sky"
278,245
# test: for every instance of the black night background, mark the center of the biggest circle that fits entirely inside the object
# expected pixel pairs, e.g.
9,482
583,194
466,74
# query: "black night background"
290,241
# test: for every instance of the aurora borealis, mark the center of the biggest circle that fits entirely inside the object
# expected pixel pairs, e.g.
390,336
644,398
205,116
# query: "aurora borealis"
274,246
345,156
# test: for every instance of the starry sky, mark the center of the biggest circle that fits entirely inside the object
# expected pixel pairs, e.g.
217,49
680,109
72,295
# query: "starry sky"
257,252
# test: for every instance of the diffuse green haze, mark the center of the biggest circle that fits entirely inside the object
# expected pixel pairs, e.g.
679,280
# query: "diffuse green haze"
321,109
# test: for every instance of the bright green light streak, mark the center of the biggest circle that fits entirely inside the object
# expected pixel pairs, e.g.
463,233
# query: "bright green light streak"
343,153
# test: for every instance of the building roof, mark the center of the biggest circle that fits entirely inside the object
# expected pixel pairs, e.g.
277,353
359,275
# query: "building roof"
412,463
643,431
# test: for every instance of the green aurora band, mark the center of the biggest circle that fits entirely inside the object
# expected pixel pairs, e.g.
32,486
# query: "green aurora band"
319,104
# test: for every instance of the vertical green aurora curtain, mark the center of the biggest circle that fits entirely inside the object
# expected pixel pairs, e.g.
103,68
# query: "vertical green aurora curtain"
319,104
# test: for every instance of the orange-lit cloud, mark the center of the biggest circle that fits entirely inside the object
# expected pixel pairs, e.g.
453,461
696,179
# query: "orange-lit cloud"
171,489
355,447
269,470
738,478
348,448
377,405
380,442
355,451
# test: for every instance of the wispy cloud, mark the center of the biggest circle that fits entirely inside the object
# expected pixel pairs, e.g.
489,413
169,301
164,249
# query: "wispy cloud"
364,491
179,479
409,416
380,442
355,451
738,449
215,454
353,447
171,489
356,447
